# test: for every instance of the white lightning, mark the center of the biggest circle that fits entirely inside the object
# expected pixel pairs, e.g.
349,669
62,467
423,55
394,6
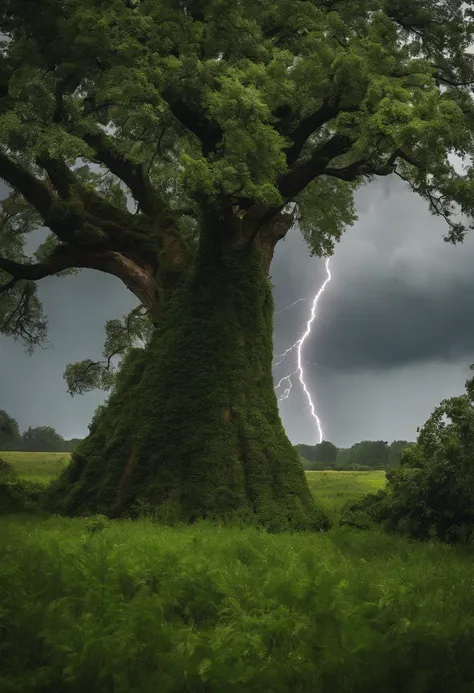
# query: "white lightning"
293,304
299,348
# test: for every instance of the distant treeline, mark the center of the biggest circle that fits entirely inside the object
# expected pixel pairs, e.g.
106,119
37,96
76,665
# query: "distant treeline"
39,439
363,456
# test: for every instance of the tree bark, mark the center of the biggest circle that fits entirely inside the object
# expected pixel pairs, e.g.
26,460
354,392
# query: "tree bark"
192,429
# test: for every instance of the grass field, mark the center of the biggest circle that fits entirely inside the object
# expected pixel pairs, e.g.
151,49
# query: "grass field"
120,606
332,490
37,466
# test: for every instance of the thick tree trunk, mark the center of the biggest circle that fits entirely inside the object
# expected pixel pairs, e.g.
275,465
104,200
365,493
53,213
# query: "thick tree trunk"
193,429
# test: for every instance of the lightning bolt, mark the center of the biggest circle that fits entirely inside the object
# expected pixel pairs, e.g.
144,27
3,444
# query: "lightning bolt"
293,304
299,349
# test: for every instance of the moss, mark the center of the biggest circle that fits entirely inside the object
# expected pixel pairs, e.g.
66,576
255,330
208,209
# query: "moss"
192,429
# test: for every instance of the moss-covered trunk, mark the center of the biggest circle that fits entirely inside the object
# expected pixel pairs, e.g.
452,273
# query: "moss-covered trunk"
193,429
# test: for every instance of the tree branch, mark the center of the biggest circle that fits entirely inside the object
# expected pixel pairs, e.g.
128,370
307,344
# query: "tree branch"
138,281
308,126
65,222
299,176
97,209
35,191
194,120
133,175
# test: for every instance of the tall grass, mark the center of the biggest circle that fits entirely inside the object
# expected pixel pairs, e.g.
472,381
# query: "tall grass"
91,605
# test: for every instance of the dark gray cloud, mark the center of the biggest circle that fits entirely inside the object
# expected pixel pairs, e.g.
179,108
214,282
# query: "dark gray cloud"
393,336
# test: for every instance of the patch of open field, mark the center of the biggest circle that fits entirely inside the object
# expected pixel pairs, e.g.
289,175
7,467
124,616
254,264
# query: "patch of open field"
333,489
37,466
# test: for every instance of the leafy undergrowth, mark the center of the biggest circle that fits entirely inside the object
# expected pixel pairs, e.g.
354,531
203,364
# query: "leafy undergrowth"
92,605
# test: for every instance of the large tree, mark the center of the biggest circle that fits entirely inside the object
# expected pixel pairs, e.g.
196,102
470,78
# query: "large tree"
227,122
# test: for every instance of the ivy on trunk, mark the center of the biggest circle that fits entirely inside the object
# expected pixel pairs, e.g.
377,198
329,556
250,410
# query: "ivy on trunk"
192,429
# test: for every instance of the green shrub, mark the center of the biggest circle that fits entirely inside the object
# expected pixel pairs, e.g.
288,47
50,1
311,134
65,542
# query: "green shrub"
17,495
7,472
431,494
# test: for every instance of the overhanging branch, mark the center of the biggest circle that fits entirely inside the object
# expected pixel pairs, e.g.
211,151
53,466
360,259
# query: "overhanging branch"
140,282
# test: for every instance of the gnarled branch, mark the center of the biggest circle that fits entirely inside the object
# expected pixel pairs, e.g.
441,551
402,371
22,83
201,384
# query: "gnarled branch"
140,282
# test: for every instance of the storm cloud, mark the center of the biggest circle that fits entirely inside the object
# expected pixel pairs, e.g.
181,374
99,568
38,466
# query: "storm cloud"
394,333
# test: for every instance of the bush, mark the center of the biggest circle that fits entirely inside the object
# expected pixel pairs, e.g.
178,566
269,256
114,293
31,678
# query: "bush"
431,494
7,472
17,495
366,513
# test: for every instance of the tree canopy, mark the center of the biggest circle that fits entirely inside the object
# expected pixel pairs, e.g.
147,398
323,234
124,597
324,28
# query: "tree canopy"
126,125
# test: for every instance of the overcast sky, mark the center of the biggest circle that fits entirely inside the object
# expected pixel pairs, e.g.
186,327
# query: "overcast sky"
394,334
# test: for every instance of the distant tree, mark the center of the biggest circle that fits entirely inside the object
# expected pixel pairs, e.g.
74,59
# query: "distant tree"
10,437
69,445
395,451
324,452
42,439
306,451
370,453
343,459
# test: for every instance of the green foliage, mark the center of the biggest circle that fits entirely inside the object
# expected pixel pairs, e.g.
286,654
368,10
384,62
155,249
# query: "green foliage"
324,452
133,606
430,494
370,453
362,456
10,436
395,452
7,472
121,336
16,494
42,439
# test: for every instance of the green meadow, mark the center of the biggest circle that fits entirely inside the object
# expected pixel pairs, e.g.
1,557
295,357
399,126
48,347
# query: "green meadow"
131,606
37,466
